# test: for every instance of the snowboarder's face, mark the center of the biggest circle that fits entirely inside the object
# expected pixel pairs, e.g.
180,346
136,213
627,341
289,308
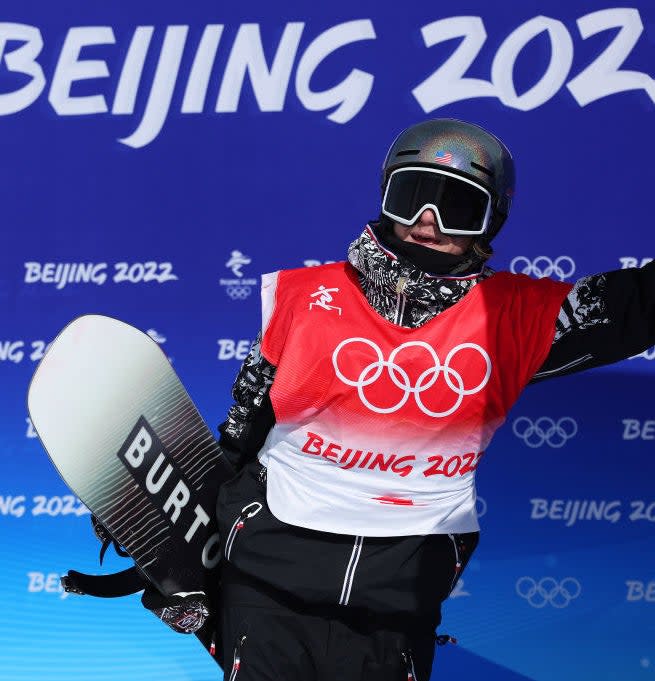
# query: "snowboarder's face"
425,232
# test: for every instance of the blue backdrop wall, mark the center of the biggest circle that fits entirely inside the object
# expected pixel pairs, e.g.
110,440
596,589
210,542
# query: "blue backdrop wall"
143,143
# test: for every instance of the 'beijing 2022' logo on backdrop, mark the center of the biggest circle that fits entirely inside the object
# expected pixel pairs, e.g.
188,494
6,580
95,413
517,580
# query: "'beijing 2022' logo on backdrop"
224,56
239,287
399,376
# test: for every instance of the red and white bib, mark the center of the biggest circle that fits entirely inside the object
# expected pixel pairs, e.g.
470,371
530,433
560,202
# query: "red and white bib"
380,428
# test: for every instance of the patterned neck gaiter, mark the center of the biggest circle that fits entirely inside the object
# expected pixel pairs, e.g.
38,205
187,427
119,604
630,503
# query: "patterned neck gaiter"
399,290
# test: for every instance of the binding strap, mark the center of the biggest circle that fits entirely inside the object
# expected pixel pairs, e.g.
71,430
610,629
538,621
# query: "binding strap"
105,586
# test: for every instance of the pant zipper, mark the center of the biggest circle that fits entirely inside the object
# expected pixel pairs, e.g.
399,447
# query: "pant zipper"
458,563
409,666
246,512
236,663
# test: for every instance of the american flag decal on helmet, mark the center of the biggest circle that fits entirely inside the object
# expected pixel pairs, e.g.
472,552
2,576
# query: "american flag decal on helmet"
443,157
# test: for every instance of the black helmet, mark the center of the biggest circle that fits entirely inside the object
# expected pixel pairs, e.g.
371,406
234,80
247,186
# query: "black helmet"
462,149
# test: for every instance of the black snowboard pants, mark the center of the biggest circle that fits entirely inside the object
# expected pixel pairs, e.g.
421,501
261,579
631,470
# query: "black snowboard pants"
267,636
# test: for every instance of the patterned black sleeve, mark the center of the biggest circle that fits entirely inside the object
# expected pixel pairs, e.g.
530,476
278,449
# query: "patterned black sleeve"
605,318
251,416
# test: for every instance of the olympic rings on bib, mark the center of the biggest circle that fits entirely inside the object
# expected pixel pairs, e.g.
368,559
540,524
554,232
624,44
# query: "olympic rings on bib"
545,430
542,266
400,378
548,590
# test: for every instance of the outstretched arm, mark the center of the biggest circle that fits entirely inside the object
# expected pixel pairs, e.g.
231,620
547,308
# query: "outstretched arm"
605,318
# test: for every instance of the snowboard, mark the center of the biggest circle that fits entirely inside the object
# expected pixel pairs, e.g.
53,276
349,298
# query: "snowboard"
121,430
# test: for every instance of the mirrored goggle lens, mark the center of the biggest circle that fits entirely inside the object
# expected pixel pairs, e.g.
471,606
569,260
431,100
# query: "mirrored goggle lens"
462,206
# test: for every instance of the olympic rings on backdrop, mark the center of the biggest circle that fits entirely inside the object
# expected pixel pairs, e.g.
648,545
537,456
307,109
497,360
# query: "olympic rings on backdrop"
545,430
238,292
372,372
542,266
548,590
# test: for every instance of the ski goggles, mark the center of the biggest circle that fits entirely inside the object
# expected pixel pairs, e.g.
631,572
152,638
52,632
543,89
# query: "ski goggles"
461,206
